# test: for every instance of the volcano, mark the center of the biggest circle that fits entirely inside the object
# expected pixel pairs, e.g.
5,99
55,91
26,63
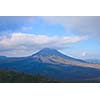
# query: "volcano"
52,64
49,55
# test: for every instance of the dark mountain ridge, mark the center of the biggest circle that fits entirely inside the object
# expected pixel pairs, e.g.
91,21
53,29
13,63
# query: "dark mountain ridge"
3,57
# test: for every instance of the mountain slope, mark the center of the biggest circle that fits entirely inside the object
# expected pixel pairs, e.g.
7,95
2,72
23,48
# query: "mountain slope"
47,55
52,64
52,56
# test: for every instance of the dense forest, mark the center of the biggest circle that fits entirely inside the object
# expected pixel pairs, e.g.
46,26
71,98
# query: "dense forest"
16,77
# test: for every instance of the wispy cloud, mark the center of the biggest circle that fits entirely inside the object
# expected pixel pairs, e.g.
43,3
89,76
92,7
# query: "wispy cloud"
13,23
26,28
83,24
83,54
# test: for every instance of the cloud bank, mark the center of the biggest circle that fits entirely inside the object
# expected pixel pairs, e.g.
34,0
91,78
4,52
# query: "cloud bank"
21,44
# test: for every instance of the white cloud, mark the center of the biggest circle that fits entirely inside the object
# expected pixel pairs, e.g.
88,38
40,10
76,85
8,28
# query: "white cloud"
24,44
24,28
84,54
13,23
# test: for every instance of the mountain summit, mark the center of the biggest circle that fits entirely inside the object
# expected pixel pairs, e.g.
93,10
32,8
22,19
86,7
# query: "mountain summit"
49,55
47,52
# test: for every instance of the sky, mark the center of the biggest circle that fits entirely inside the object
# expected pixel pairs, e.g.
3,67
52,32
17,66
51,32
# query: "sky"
75,36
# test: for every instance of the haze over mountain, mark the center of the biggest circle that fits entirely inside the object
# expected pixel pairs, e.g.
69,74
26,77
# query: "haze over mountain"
93,61
52,64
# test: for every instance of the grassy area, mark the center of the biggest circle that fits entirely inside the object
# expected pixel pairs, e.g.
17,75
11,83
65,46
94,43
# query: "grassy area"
15,77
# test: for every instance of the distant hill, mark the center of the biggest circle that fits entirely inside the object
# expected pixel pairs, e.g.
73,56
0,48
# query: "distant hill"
3,57
93,61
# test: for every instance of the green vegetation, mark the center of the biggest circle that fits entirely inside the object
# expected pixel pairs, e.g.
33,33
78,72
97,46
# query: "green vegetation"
16,77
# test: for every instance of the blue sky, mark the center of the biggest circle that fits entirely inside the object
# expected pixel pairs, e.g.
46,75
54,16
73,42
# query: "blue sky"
74,36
